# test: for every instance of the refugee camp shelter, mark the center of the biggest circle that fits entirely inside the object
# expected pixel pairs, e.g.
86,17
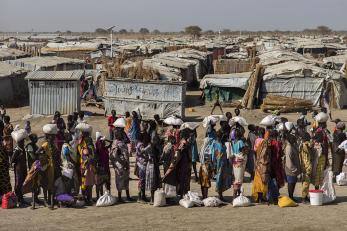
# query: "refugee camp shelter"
11,53
304,81
13,87
165,98
52,91
48,63
231,87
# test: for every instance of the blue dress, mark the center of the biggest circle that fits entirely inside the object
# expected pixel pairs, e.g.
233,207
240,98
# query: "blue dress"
222,167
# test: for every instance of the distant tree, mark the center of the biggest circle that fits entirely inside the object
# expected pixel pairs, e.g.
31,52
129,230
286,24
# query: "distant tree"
195,31
58,32
226,31
144,31
324,30
123,31
209,32
101,31
155,31
68,32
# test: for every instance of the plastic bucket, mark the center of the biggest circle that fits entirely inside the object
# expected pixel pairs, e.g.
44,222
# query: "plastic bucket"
316,197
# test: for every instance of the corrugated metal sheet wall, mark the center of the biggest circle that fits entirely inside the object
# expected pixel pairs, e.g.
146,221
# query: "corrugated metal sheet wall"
46,97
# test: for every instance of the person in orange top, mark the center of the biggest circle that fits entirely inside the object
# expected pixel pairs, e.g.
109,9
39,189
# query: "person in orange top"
128,121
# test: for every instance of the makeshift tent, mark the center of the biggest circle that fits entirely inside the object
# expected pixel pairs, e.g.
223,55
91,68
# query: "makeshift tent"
231,87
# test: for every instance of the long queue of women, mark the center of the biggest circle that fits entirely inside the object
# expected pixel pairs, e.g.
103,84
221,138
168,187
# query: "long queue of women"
68,164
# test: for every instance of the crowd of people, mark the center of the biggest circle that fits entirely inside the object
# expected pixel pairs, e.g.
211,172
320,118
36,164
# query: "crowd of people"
68,164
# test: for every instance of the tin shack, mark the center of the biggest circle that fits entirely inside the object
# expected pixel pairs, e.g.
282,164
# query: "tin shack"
164,98
52,91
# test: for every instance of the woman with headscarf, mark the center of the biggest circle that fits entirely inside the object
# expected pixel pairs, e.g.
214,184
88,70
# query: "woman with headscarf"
102,164
143,151
338,154
134,131
51,156
206,159
180,166
69,162
277,174
153,179
239,160
262,149
59,139
291,159
86,153
119,157
305,149
222,166
319,158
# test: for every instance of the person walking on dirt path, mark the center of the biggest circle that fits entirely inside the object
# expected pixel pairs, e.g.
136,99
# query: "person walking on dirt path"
217,103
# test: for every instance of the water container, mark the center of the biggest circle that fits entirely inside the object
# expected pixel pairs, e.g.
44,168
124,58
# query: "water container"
316,197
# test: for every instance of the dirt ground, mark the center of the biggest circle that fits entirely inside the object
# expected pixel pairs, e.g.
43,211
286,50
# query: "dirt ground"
134,216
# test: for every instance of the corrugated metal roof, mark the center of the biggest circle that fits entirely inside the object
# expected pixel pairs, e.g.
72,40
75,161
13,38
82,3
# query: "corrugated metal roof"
55,75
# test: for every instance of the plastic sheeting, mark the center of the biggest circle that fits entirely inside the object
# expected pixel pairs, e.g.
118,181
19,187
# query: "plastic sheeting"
302,88
236,80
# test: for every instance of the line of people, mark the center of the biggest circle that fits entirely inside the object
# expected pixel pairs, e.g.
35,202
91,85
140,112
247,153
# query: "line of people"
68,164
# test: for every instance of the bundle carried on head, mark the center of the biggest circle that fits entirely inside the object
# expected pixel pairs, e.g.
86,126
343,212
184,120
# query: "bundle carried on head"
119,123
173,120
50,129
84,127
19,135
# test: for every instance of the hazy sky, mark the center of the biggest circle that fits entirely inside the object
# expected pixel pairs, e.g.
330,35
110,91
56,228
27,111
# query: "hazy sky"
171,15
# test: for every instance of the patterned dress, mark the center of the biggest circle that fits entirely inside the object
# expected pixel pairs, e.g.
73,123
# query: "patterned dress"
262,168
86,152
5,183
142,155
53,170
222,167
239,162
206,160
306,167
119,157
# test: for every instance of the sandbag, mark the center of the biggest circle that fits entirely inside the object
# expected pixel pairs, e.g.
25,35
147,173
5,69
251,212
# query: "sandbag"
194,197
159,198
119,123
9,201
268,121
210,120
240,120
189,125
170,190
329,193
241,201
212,202
84,127
341,179
284,201
19,135
105,200
173,120
50,129
322,117
186,203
